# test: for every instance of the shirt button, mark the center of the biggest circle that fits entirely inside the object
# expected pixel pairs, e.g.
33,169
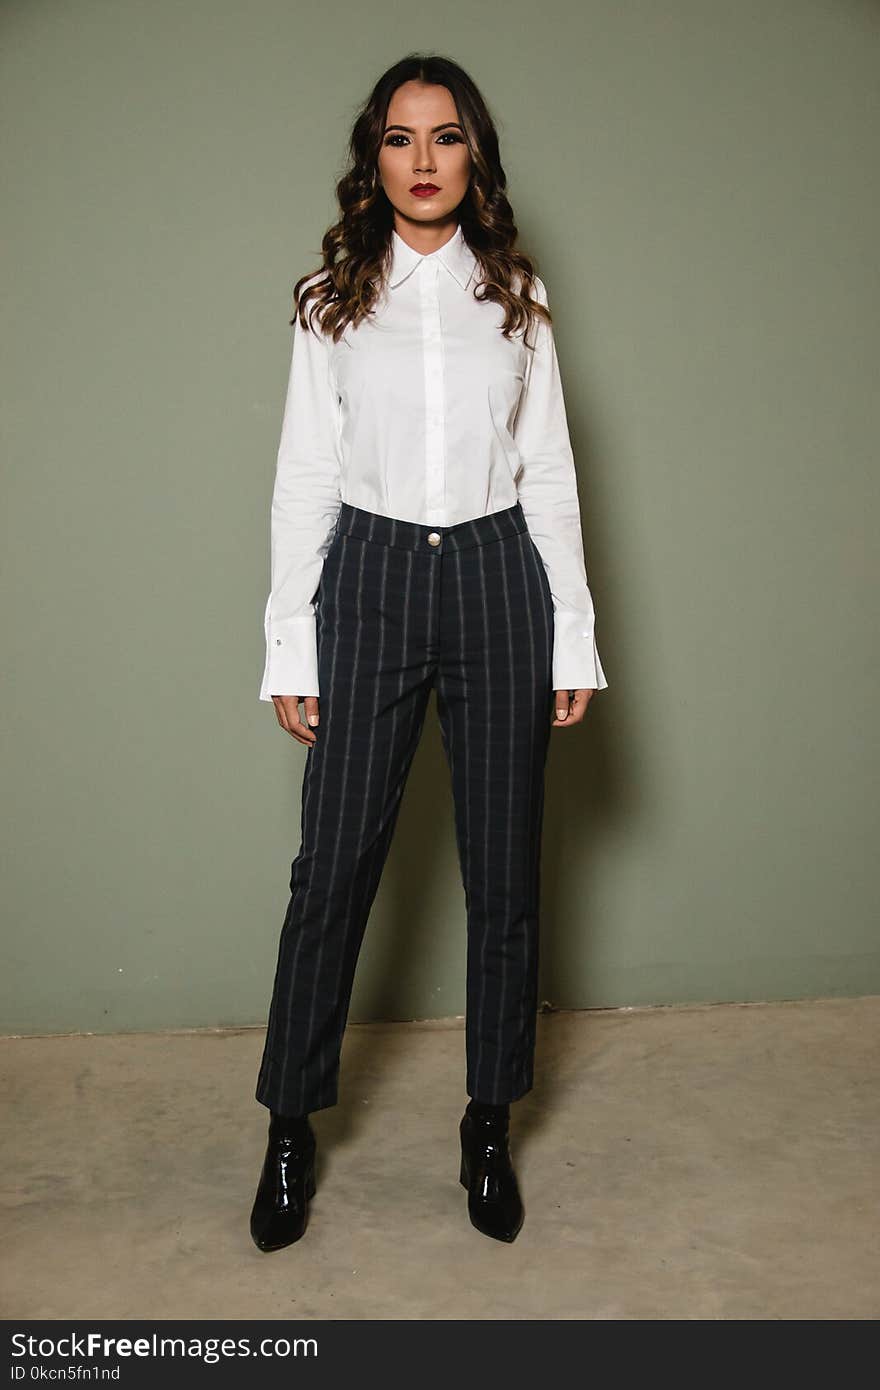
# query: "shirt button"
277,641
433,539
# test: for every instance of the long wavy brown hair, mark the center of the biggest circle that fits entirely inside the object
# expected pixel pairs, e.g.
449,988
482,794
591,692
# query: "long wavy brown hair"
356,250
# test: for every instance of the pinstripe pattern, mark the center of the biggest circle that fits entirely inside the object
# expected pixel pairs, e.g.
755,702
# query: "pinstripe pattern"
397,617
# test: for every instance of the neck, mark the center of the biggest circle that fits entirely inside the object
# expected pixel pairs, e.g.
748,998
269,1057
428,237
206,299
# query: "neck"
425,237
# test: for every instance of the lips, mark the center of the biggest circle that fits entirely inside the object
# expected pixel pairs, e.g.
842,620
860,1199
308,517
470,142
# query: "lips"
424,190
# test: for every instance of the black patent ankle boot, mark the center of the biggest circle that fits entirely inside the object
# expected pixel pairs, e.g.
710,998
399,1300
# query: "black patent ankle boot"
494,1203
287,1181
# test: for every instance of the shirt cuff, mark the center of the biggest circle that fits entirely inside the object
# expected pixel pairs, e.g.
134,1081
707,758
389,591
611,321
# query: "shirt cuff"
291,657
576,664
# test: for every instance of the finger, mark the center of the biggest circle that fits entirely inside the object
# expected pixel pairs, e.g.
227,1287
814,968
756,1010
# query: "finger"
282,706
312,709
300,731
561,706
287,708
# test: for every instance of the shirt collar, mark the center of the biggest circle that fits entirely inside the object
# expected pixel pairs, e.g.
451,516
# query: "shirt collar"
455,255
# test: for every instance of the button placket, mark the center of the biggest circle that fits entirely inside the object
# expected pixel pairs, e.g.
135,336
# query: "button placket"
435,387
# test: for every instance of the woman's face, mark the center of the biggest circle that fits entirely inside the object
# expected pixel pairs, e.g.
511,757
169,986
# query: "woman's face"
423,143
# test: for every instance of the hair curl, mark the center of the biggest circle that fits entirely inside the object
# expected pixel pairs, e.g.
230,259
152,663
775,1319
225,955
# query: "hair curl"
356,250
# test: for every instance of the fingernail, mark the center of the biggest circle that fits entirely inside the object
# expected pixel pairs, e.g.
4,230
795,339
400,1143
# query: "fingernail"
313,719
561,713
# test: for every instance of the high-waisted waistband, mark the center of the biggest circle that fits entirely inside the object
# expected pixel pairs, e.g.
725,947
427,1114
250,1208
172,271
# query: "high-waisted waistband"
412,535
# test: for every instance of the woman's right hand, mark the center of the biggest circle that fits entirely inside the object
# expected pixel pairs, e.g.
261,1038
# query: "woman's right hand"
287,710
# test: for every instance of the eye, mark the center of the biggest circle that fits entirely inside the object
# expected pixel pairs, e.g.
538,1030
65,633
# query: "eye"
446,135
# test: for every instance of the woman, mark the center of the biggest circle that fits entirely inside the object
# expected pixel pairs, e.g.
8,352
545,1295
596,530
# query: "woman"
425,535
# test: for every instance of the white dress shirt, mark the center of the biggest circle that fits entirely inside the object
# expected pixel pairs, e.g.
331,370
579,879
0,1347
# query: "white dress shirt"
426,413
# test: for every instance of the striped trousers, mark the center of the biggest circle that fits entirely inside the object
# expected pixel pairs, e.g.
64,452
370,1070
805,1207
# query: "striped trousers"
402,608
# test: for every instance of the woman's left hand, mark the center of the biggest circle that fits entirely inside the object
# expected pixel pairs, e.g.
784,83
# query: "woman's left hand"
570,707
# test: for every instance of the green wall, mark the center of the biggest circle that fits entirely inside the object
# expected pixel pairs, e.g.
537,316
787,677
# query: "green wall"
698,185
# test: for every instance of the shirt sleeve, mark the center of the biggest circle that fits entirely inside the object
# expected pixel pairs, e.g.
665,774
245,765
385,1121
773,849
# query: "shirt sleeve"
548,495
305,506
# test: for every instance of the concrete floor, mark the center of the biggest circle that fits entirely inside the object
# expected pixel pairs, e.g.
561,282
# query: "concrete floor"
702,1162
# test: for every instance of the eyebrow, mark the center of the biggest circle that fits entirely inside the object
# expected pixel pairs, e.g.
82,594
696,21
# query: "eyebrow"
447,125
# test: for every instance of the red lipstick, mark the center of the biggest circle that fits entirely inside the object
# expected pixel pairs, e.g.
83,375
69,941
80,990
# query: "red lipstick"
424,190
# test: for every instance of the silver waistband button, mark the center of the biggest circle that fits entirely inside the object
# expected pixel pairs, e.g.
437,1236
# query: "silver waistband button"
433,538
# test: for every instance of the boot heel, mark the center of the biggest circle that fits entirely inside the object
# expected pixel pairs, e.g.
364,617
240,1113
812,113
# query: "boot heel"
310,1183
463,1175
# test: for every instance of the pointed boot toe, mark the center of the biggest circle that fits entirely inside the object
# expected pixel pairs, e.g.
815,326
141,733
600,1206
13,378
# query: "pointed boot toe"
494,1204
287,1181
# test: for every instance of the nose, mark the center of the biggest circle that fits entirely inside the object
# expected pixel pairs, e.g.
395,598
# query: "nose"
424,164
